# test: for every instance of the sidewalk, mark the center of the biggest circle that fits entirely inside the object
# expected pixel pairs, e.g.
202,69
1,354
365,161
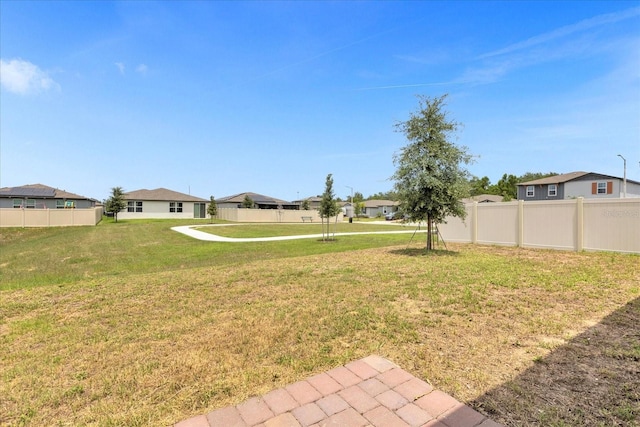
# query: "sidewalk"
370,392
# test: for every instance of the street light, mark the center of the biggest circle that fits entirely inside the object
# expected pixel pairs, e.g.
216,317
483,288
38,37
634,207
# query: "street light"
352,210
624,179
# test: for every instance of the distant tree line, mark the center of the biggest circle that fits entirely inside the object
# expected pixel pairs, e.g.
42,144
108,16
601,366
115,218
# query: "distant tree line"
505,187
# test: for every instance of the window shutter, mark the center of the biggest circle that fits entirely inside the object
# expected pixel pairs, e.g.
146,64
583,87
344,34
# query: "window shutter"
594,188
609,187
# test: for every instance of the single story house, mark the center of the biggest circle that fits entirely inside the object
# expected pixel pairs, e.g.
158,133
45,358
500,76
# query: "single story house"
39,196
374,208
162,203
577,184
314,202
259,202
483,198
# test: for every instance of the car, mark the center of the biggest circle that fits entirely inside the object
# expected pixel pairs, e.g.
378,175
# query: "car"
392,215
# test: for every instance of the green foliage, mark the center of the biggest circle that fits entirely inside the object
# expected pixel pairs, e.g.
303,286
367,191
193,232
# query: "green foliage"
328,206
388,195
305,205
212,209
247,202
507,186
115,203
429,178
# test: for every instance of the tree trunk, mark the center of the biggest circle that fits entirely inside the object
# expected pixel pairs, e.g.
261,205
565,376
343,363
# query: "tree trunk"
429,226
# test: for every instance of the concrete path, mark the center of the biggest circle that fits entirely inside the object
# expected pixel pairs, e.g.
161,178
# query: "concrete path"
370,392
190,231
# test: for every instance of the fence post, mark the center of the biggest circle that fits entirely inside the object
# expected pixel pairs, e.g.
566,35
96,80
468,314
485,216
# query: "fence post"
579,224
474,223
520,242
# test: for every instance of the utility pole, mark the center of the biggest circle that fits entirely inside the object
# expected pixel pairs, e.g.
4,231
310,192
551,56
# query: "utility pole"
624,179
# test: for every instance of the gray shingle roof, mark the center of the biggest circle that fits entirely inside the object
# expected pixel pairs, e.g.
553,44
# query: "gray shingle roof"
161,195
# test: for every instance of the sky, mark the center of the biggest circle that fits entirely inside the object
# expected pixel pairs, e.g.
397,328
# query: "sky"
215,98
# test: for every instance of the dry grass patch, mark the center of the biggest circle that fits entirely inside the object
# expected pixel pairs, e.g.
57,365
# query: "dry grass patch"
152,349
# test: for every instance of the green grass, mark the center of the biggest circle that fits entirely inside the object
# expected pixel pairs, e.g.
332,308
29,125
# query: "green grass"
37,257
133,324
272,230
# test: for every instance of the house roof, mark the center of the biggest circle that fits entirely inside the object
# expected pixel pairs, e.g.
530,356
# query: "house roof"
161,195
379,203
483,198
257,198
555,179
39,191
566,177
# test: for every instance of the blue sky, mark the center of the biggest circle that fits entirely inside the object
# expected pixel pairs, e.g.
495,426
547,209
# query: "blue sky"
219,98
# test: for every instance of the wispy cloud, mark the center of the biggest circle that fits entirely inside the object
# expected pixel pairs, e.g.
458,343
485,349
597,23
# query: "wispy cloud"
23,77
142,69
121,67
587,24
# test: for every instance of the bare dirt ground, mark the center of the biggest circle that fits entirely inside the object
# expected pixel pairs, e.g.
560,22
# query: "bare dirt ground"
594,379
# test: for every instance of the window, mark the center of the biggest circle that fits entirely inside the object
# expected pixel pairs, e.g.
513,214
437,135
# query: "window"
175,207
530,190
134,206
17,203
59,204
553,190
30,204
602,188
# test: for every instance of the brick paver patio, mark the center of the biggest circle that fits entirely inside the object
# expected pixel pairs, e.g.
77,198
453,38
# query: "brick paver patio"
370,392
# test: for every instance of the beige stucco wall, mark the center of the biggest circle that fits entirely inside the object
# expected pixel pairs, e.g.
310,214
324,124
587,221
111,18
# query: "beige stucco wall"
268,215
155,209
49,217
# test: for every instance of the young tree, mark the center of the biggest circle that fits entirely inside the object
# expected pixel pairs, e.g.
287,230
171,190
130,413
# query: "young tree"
212,210
247,202
305,205
429,179
328,206
115,203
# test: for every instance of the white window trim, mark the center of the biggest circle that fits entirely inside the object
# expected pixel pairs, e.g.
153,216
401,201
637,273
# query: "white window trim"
554,192
601,185
531,193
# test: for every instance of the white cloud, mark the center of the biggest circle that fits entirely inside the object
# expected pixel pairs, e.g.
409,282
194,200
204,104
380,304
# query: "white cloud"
120,66
23,77
142,69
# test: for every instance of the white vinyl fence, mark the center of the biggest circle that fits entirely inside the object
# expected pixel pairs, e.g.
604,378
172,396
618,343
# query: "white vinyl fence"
577,224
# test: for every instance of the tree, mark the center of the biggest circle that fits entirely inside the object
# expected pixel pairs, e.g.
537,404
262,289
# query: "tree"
507,187
305,205
479,186
247,202
429,179
212,210
115,203
328,206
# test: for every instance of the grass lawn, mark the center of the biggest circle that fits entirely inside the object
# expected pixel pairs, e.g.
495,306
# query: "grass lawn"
132,324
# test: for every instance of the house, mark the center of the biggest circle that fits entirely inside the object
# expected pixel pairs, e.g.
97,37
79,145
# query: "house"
483,198
259,202
39,196
162,203
313,202
374,208
577,184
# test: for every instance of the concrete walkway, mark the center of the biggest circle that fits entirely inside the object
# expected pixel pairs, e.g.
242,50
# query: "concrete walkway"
370,392
190,231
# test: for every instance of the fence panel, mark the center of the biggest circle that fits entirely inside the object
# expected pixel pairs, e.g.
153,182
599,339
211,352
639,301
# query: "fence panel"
550,225
497,223
613,225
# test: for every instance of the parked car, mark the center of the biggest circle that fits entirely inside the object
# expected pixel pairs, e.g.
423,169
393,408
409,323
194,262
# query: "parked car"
393,215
